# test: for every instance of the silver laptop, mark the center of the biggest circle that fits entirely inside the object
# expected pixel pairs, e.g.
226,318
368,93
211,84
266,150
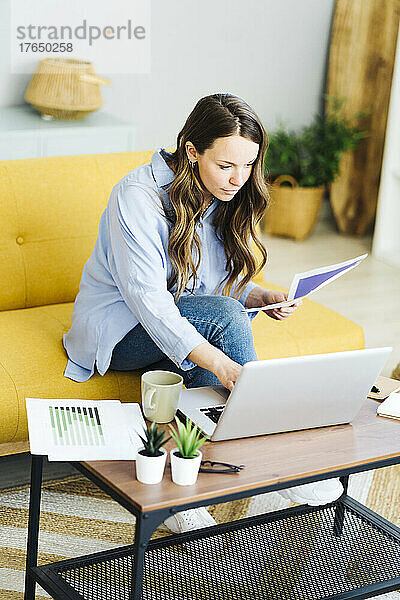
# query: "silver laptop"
286,394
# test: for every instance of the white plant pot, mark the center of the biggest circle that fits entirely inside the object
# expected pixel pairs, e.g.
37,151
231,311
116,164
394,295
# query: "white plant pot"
184,471
150,469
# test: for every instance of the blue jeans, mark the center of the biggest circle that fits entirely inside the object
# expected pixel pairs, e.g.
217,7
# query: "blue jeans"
221,320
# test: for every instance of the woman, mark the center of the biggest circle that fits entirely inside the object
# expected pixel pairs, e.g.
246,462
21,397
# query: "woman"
171,271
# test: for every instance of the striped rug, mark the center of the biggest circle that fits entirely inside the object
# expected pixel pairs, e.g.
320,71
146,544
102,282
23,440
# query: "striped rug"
77,518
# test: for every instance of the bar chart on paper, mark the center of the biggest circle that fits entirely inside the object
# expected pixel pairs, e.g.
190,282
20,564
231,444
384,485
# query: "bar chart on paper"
76,426
75,429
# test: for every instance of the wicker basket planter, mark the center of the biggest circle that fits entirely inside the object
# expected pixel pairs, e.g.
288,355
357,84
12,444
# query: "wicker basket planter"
293,211
65,88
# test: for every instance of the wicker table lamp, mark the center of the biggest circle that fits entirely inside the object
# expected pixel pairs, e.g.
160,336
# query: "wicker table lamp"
65,88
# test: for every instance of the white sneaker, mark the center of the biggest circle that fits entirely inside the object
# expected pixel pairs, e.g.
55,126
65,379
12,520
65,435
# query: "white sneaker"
314,494
187,520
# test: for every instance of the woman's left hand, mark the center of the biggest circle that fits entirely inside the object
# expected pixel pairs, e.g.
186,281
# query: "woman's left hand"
260,297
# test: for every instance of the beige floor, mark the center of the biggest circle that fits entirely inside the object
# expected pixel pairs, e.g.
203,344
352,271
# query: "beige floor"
368,295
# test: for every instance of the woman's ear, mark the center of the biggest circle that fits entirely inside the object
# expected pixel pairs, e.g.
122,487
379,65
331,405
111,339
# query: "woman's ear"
191,152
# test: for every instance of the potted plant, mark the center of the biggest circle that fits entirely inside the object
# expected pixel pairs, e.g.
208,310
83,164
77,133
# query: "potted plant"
150,460
186,457
300,165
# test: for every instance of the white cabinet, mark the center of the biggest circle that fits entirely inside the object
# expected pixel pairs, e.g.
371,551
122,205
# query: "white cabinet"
386,242
24,134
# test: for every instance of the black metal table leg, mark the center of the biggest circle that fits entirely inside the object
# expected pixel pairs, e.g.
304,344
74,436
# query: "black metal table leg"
145,526
339,511
33,525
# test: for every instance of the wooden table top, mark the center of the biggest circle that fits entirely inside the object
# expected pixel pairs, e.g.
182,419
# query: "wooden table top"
269,459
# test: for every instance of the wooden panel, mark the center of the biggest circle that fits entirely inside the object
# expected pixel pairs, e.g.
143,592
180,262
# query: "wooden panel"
361,64
269,459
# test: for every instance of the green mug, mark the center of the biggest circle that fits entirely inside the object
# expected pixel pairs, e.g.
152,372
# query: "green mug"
160,395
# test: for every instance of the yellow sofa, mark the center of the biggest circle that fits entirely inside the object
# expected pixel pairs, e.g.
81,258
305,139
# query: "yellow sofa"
49,215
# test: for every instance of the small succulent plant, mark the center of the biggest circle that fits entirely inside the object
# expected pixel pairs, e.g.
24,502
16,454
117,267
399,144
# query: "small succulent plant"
188,438
153,440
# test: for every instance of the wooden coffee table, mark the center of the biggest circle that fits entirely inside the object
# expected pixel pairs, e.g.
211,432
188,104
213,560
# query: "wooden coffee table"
338,551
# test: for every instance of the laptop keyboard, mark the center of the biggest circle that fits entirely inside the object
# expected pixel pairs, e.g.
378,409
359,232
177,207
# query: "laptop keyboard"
213,412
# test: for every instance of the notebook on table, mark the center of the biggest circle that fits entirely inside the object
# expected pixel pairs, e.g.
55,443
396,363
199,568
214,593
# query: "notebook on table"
390,407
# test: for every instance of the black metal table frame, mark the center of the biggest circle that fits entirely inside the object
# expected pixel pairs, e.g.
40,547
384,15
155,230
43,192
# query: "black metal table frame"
147,523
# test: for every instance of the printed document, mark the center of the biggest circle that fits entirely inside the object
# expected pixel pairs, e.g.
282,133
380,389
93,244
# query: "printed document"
84,429
306,283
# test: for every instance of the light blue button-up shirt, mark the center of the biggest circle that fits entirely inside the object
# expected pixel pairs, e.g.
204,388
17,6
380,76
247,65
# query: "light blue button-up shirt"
124,282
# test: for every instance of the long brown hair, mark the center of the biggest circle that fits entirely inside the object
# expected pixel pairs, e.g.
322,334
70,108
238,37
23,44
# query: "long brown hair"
217,116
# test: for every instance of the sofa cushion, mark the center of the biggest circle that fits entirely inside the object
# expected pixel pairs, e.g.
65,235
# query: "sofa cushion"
312,329
32,358
50,210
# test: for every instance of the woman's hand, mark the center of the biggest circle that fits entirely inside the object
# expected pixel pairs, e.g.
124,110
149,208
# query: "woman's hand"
211,358
227,371
260,297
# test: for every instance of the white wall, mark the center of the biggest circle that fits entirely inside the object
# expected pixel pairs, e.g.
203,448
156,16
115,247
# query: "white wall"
272,53
386,242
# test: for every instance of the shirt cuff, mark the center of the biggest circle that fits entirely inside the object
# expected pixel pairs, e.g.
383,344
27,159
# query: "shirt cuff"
249,287
76,372
183,348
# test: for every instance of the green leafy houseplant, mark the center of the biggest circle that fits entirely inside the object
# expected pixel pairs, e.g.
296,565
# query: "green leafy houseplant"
312,154
188,438
153,440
